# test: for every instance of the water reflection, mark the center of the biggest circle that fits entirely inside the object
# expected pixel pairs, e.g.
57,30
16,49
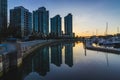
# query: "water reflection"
58,61
69,54
85,51
56,54
38,63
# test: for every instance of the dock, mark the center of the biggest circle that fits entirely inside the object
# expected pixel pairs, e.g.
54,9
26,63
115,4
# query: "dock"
89,46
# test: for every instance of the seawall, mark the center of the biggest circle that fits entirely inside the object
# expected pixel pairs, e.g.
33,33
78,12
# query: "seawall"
11,55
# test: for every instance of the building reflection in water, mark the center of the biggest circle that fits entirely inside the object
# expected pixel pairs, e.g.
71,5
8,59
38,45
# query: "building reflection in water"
69,54
56,54
43,65
38,63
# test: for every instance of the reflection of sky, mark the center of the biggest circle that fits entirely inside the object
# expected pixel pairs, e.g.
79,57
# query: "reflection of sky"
89,15
94,66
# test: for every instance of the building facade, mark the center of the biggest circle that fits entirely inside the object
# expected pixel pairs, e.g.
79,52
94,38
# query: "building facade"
41,21
3,17
68,25
56,26
20,22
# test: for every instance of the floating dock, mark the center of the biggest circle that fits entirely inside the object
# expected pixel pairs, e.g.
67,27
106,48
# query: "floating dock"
89,46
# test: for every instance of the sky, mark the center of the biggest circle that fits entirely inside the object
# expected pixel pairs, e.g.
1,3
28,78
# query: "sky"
89,16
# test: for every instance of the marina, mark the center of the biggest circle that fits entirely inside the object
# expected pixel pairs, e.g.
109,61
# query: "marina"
103,49
59,40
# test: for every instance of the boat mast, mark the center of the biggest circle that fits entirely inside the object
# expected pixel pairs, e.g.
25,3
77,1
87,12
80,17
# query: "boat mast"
96,32
106,29
117,29
106,33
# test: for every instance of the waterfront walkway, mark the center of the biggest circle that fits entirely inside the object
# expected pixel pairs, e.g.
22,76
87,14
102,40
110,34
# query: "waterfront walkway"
12,54
8,47
27,47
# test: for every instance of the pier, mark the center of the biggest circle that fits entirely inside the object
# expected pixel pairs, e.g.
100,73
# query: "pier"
88,45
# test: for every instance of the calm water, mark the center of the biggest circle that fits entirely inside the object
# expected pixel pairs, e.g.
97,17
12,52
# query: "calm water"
68,61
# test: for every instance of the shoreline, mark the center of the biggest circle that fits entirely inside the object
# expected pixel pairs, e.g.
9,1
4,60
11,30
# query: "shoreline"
19,51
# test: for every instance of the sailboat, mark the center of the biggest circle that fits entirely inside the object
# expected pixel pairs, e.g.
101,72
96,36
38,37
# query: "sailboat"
116,42
110,42
105,42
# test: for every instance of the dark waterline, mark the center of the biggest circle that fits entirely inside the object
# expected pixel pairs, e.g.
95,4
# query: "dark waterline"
67,61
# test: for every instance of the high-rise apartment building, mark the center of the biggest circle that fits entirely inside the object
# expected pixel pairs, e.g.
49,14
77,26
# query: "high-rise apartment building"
20,22
68,25
3,17
56,26
41,21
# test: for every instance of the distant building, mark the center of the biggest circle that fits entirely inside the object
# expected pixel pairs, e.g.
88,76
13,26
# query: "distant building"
20,22
41,21
68,25
3,17
56,26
